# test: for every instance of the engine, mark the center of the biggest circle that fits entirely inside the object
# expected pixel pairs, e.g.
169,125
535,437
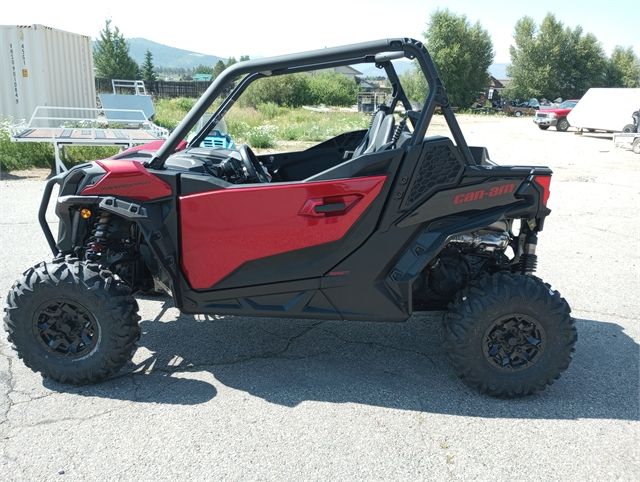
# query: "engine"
464,258
225,164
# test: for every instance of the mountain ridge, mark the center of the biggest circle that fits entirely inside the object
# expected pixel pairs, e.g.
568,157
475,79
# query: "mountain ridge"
165,56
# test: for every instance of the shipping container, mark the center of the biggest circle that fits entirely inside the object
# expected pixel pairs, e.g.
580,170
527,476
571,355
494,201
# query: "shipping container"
43,66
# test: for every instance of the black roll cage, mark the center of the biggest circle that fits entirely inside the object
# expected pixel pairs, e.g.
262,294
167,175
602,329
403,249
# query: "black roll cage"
381,52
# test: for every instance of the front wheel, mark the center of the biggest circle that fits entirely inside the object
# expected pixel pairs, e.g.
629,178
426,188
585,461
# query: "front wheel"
509,335
562,125
636,146
629,128
72,321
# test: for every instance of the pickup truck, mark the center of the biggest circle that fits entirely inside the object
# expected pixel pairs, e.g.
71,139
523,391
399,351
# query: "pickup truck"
556,116
519,109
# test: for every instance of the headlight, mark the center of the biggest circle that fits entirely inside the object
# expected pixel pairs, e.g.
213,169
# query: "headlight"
552,114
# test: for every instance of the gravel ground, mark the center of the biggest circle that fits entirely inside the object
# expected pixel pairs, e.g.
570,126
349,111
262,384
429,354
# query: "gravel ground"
244,398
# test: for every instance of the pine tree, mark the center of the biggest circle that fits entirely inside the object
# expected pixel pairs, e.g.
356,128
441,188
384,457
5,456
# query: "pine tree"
218,68
148,69
111,55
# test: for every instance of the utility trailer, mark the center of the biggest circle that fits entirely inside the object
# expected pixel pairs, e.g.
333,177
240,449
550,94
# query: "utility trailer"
628,140
65,126
604,109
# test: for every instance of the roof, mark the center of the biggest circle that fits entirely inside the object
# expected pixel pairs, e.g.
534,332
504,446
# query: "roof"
366,85
347,69
495,83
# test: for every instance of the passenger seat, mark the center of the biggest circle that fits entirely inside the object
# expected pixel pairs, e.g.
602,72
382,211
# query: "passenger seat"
369,136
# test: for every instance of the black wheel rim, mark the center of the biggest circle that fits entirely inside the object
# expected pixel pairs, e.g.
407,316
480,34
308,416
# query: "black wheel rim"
66,328
514,342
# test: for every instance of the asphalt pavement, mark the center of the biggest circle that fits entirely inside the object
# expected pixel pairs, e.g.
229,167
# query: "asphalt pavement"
250,399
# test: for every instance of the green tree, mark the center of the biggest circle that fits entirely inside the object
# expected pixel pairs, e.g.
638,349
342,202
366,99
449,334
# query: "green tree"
111,55
218,68
462,52
244,57
231,61
148,69
553,60
332,88
291,90
203,69
623,68
415,85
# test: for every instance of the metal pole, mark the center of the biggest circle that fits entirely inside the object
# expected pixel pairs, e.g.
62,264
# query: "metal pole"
60,167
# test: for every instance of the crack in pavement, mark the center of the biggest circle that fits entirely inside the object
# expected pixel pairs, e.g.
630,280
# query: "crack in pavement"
384,346
10,386
275,354
49,421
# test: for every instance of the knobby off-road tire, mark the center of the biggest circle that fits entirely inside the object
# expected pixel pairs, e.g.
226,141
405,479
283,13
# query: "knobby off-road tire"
72,321
509,335
629,128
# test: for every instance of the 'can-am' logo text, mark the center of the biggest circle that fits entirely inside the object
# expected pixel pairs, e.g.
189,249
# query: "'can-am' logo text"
471,196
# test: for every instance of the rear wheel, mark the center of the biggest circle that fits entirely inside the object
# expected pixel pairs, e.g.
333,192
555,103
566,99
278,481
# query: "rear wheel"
72,321
562,125
509,335
518,113
544,128
629,128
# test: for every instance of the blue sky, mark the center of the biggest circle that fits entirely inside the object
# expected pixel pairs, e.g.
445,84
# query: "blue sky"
274,27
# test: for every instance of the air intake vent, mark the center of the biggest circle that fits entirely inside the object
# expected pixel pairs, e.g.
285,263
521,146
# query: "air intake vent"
440,167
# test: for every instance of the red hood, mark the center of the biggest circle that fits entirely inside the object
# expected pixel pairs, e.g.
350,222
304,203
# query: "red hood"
149,147
557,110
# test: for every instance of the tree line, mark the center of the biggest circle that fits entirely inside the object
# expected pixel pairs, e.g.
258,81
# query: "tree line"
112,60
549,60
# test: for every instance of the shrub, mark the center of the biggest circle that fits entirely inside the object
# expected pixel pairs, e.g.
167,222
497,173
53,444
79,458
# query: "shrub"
262,137
332,88
79,154
14,155
169,112
270,110
286,90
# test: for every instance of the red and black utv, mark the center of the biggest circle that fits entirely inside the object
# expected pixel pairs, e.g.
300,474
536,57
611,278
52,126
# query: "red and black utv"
369,225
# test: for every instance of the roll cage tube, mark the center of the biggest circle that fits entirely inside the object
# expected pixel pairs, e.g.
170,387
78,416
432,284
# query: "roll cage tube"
377,51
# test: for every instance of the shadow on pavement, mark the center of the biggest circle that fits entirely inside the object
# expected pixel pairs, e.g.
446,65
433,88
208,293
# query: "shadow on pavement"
394,365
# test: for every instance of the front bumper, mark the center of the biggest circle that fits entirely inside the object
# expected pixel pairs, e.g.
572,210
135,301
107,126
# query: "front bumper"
545,121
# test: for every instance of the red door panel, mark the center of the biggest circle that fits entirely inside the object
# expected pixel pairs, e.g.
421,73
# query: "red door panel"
221,230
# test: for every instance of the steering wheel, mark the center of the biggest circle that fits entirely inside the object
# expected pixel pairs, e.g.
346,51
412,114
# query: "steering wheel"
255,169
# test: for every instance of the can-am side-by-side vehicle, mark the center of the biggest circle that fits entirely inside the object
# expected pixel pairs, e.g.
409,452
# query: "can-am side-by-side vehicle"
369,225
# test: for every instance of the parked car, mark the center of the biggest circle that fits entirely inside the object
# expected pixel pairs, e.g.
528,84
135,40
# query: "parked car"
556,116
518,109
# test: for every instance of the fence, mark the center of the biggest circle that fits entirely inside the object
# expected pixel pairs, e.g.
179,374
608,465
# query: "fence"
161,89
